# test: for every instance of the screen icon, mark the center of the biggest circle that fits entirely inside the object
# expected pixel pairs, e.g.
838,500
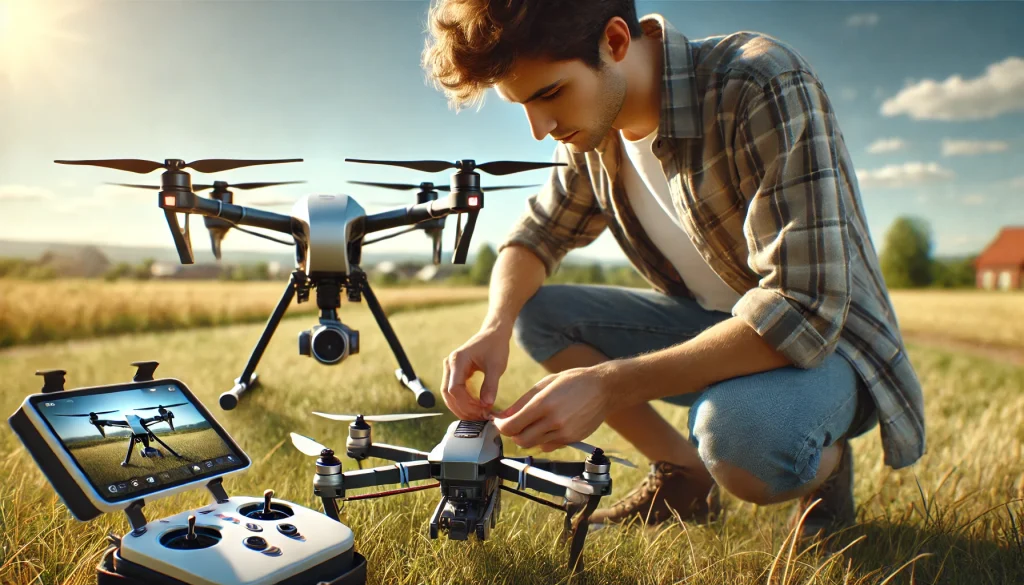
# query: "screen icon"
165,476
197,469
220,461
112,488
151,479
209,464
231,458
122,486
135,483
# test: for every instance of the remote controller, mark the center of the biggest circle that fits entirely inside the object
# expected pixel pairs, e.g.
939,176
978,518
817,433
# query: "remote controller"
240,541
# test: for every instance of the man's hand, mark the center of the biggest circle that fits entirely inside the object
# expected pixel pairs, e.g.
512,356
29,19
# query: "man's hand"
560,409
486,352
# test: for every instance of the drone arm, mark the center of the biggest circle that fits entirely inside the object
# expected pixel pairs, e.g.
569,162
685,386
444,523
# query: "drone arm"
527,476
185,202
398,454
400,473
407,216
569,468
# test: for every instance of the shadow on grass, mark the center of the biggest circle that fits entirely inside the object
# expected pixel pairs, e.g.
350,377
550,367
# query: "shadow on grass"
952,556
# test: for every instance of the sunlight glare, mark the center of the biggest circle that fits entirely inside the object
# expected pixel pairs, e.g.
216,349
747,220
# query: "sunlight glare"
29,31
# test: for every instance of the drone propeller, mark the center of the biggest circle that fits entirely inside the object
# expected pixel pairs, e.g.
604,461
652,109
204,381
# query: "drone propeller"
430,186
376,417
245,185
588,449
209,165
501,167
161,407
307,446
91,414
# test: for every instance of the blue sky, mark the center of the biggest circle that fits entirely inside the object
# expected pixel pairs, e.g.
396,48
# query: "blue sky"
929,95
125,402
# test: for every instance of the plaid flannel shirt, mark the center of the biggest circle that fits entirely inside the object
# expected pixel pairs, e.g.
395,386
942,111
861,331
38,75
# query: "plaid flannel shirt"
763,183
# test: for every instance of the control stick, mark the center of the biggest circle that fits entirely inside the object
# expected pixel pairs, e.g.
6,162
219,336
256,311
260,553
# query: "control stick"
267,494
191,535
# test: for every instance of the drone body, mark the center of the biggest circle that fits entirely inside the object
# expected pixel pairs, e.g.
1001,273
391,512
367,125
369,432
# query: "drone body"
139,426
469,467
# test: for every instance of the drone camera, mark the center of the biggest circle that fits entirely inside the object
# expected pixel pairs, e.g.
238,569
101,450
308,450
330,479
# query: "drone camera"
330,342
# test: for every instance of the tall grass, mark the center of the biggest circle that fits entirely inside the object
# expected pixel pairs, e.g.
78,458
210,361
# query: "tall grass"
37,312
972,316
953,518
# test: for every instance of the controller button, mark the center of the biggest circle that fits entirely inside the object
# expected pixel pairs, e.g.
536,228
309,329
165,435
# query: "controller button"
255,542
272,552
287,529
253,527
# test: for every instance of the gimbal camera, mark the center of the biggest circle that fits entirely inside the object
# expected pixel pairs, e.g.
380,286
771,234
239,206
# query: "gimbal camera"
328,232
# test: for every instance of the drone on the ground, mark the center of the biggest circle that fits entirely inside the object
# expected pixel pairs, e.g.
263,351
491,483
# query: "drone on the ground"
139,427
328,232
469,467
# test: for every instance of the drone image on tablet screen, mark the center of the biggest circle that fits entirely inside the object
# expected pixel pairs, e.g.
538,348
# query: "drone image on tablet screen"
139,438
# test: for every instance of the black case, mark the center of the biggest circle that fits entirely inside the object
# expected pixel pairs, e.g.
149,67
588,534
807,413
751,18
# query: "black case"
112,570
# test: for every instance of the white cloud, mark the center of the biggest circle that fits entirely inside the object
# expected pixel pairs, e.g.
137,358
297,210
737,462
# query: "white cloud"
862,19
907,174
24,193
886,145
952,147
998,91
974,199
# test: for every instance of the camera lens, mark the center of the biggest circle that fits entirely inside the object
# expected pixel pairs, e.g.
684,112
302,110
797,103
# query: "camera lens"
329,345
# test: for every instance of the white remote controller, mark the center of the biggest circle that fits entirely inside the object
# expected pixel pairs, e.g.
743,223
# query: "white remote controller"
241,541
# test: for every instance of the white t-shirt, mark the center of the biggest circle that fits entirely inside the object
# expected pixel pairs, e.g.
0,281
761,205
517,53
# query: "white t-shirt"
649,195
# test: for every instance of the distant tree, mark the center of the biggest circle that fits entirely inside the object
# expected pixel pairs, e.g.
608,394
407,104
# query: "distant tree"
480,273
906,254
144,271
954,273
595,274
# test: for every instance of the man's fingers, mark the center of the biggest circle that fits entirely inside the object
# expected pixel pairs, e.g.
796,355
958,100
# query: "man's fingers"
520,415
538,433
521,402
489,389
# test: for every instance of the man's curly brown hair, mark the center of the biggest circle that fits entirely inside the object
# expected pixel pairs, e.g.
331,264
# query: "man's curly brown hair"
473,43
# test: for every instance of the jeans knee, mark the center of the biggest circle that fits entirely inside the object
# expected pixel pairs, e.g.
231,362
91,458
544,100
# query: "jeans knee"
539,325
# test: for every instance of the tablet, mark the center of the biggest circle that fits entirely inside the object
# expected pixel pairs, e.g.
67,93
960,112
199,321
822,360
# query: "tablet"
104,447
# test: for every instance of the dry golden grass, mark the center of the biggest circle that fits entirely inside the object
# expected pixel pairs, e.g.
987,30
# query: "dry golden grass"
36,312
953,518
973,316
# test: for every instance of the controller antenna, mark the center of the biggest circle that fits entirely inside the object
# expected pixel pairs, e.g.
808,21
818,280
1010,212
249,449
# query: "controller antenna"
191,536
267,494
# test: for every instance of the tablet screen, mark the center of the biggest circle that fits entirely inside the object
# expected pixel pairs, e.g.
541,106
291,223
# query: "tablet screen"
140,438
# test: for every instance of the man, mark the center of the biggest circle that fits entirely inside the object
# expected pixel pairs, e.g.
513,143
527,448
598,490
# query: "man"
719,166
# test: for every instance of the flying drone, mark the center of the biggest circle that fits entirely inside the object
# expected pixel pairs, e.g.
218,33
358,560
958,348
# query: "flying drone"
139,427
469,468
328,232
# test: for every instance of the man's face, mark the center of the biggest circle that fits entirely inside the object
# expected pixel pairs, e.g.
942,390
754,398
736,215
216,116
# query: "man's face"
566,99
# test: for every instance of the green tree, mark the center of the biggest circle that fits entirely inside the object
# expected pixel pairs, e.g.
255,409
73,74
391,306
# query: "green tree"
906,257
480,273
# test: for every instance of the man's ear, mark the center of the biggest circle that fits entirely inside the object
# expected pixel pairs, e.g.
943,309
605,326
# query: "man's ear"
616,39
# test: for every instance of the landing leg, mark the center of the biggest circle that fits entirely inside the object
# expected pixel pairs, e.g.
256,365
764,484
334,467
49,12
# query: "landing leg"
128,457
166,446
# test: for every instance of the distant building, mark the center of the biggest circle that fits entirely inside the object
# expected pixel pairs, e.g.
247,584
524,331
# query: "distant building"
176,271
77,262
1001,264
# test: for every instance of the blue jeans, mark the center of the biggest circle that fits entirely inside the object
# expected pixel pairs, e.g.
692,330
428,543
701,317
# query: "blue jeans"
772,424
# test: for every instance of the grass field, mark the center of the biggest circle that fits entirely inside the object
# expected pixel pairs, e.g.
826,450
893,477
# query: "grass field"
37,312
955,517
102,461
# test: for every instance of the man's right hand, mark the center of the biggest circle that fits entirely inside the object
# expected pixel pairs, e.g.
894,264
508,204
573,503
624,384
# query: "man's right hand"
486,352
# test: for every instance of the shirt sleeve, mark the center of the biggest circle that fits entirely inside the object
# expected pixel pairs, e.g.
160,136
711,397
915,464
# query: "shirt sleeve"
787,154
564,215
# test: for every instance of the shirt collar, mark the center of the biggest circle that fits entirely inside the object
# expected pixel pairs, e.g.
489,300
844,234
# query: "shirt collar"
680,108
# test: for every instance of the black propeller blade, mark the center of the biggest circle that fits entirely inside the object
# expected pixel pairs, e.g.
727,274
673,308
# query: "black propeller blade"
431,186
501,167
210,165
246,185
161,406
89,414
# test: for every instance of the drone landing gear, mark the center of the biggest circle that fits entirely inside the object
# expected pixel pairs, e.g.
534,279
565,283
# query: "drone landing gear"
405,374
166,446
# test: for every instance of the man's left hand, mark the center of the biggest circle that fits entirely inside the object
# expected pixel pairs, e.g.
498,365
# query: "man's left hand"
562,408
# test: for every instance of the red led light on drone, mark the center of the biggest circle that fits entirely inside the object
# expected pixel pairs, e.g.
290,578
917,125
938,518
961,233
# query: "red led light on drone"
474,201
169,200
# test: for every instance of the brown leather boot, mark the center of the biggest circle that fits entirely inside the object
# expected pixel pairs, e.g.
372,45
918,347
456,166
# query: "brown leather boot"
667,490
836,510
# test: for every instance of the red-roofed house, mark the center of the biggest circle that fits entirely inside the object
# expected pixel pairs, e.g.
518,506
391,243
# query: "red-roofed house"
1001,264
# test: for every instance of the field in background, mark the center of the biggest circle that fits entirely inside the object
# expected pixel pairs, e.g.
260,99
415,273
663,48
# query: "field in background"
971,316
36,312
955,517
